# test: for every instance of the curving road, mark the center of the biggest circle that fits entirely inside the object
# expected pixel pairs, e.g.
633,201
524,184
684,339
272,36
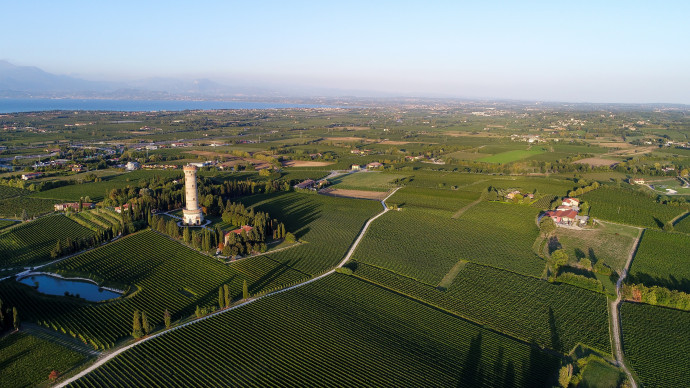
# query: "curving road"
107,357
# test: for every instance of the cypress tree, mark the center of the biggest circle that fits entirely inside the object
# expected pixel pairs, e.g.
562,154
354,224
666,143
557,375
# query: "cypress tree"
166,318
186,236
198,312
221,297
145,323
245,290
136,325
15,318
226,288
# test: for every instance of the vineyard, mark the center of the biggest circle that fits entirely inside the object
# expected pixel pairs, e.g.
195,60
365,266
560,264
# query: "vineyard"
683,225
657,344
26,360
554,316
11,192
375,181
96,220
477,182
629,207
662,259
338,331
449,200
161,274
13,207
30,243
424,244
327,225
6,223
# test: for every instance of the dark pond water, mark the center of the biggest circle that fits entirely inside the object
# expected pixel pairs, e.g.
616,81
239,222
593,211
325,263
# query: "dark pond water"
56,286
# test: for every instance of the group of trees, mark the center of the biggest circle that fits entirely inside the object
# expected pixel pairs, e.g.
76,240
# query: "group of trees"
70,245
18,182
224,297
141,325
656,295
9,318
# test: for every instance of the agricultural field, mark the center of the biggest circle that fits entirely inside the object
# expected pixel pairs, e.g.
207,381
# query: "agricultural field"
439,199
370,180
656,343
683,225
629,207
327,226
6,223
13,207
610,243
511,156
662,259
156,272
557,316
425,244
30,243
26,360
11,192
337,331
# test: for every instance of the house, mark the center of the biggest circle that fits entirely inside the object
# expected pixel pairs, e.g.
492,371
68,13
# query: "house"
78,168
119,209
131,166
571,202
638,181
309,184
567,217
31,175
512,194
74,206
356,167
374,165
563,207
244,228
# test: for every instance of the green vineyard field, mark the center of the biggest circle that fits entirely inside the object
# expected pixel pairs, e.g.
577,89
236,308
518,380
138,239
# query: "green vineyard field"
663,259
30,243
449,200
13,207
557,316
656,342
629,207
425,244
338,331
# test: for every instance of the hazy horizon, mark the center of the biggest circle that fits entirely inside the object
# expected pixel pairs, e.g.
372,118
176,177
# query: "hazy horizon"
618,52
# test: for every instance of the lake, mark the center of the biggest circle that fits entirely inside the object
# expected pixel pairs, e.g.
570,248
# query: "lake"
11,105
52,285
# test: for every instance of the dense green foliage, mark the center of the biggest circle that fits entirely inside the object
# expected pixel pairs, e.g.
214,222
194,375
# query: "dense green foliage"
337,331
662,259
553,315
656,342
162,274
425,244
326,225
31,243
26,360
629,207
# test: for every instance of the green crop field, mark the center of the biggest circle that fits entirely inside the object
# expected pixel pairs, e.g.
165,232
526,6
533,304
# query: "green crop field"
338,331
656,341
161,274
11,192
6,223
30,243
327,225
557,316
683,225
13,207
510,156
629,207
663,259
450,200
26,360
425,244
609,242
371,180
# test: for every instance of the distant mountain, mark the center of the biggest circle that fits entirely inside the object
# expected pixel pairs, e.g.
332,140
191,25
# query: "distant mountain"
29,79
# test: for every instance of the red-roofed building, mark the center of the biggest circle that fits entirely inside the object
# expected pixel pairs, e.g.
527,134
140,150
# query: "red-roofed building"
244,228
119,209
74,206
572,202
562,216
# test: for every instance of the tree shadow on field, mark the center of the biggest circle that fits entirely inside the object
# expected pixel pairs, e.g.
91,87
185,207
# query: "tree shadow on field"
471,374
272,275
554,244
658,222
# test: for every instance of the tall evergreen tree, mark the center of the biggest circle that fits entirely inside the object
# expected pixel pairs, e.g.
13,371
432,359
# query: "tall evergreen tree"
145,323
15,318
136,325
185,235
198,312
221,297
245,290
166,318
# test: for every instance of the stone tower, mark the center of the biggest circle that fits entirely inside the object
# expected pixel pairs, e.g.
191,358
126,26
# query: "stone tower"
191,212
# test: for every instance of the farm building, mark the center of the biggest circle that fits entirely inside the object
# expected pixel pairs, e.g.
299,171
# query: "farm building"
119,209
571,202
374,165
31,175
308,184
567,217
131,166
244,228
638,181
74,206
356,167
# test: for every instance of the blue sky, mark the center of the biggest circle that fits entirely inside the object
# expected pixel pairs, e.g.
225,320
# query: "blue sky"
598,51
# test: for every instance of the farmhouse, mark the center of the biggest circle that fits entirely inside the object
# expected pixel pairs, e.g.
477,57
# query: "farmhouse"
356,167
571,202
638,181
244,228
374,165
131,166
119,209
309,184
74,206
566,217
31,175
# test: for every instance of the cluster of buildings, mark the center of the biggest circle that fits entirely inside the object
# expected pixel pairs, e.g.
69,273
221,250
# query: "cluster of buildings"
368,166
74,206
311,184
515,193
567,213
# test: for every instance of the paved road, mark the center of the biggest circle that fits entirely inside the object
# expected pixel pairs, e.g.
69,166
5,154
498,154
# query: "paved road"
107,357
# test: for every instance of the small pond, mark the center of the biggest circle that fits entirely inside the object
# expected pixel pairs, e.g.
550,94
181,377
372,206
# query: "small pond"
52,285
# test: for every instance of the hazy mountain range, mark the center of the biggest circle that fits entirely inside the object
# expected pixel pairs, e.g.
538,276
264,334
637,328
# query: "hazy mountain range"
30,81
